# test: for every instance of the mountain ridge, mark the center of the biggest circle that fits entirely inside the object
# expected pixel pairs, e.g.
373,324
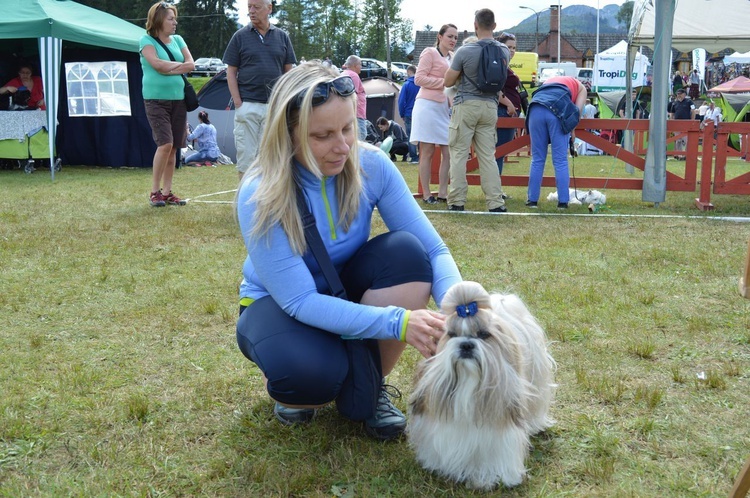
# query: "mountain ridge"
575,19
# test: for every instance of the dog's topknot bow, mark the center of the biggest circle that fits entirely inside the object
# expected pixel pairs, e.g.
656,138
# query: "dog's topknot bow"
466,310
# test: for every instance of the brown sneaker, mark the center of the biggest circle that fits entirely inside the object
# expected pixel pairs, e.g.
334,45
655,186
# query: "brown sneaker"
157,199
170,198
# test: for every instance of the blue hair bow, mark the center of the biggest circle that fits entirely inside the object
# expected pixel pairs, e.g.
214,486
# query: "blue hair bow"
466,310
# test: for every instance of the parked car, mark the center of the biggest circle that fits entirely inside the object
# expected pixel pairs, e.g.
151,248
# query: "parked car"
207,66
398,73
373,67
549,69
401,65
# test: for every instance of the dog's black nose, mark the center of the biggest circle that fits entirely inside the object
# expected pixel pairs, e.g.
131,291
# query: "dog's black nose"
466,349
467,345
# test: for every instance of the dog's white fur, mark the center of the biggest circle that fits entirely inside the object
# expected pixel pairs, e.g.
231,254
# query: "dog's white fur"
581,196
489,388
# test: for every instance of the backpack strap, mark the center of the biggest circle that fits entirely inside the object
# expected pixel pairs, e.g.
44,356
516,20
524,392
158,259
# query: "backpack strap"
463,74
318,248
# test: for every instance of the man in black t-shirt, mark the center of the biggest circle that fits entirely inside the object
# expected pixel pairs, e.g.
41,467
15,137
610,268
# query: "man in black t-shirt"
682,108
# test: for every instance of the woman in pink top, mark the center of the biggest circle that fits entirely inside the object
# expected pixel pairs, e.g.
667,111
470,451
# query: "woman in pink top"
431,114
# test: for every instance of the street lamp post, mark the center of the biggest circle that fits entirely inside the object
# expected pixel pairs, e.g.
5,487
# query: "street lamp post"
536,33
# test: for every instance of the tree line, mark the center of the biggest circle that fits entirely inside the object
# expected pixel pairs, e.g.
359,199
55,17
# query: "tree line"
317,28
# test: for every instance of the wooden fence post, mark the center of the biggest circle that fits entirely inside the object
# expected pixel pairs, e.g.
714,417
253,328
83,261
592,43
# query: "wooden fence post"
745,279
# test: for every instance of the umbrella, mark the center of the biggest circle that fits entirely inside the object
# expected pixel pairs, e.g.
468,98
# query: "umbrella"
738,85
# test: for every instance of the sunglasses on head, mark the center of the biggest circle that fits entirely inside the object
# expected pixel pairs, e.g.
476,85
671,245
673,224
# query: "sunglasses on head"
343,86
165,5
509,36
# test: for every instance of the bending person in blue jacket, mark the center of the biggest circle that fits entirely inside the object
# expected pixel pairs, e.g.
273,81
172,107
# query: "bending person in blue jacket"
554,112
314,348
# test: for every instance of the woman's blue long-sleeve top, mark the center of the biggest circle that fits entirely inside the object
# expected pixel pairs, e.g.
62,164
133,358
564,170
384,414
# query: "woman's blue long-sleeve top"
272,268
205,135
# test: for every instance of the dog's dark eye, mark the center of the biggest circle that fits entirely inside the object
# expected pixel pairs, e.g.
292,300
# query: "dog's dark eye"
484,335
451,334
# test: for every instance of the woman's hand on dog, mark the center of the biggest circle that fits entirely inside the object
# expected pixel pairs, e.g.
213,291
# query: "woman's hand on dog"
424,330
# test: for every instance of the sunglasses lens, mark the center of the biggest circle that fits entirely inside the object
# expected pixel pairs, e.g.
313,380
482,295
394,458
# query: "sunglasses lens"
320,95
344,86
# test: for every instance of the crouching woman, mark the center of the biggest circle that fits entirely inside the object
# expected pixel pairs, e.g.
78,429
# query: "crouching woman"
314,348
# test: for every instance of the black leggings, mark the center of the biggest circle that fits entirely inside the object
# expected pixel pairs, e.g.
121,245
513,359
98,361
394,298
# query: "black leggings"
305,365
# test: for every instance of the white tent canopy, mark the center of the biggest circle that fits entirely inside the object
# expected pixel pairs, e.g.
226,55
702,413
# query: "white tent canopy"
621,48
738,58
711,24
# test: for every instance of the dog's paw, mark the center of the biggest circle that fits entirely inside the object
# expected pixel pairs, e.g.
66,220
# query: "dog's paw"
512,479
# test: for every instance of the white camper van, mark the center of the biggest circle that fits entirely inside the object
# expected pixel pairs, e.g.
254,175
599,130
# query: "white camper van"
549,69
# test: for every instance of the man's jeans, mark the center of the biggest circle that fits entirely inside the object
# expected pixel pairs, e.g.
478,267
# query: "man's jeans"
413,156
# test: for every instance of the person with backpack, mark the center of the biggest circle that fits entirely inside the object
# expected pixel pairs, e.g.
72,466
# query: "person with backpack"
482,68
554,113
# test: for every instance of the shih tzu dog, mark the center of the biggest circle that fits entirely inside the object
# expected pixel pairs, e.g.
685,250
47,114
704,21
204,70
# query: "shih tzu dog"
488,388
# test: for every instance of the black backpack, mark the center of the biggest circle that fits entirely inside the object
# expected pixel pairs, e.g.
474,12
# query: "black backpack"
493,68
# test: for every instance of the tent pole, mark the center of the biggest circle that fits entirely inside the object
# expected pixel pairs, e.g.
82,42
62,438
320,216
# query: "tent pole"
50,49
655,171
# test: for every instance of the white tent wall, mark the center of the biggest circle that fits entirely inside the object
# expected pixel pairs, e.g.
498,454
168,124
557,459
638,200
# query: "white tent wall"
611,69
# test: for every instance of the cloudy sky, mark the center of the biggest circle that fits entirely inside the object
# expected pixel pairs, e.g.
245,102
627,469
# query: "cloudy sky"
438,12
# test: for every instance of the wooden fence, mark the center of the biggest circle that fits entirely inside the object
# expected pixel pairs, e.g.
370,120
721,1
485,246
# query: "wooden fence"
712,159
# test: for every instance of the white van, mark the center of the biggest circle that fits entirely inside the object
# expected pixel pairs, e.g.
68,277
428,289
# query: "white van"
586,76
549,69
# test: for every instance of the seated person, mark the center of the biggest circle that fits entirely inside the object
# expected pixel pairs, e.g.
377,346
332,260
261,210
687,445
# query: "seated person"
398,136
27,82
205,137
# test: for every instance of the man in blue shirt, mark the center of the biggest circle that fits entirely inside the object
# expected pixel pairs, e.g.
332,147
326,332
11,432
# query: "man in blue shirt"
406,100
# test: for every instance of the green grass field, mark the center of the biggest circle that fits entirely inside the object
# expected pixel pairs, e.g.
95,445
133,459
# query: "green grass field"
120,374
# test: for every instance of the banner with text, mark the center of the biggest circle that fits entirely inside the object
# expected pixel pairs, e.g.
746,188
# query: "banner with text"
610,72
699,61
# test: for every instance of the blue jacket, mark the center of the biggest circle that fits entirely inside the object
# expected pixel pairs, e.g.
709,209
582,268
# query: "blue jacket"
296,283
406,97
557,98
